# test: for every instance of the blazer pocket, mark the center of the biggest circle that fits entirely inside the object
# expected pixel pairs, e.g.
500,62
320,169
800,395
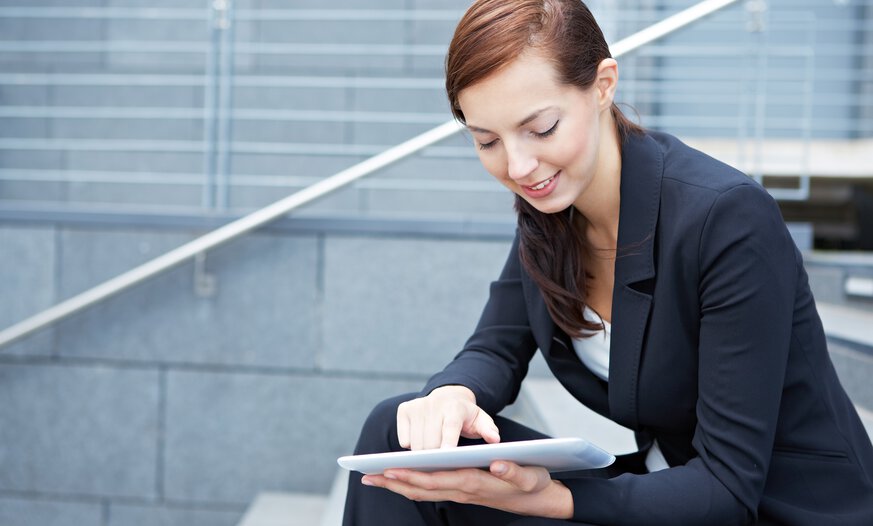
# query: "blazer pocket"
820,455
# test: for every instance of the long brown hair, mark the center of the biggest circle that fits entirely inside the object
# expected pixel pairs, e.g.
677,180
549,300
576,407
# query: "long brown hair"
492,33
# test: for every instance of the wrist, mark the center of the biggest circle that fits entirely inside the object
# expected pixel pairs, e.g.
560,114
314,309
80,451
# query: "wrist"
560,501
457,391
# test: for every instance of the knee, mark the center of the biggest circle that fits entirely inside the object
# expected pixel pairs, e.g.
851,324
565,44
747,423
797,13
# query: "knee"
379,433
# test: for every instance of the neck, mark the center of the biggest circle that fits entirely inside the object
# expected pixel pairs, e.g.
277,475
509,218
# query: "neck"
601,200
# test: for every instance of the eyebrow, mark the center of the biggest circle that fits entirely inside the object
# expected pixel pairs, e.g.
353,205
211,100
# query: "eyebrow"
524,121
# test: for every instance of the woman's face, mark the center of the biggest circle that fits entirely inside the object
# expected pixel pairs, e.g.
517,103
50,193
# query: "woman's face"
538,137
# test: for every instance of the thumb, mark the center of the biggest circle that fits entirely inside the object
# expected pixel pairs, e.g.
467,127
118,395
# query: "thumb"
526,479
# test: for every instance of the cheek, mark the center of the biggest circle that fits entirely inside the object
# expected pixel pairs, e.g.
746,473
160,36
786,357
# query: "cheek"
493,164
579,151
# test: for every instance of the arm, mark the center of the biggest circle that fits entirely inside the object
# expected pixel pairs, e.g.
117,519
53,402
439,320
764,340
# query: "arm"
481,380
495,358
488,372
747,274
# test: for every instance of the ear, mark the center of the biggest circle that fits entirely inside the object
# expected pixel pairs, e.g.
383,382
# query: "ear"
606,82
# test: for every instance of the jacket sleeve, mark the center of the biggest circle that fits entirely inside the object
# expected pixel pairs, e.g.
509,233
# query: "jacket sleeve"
747,275
495,358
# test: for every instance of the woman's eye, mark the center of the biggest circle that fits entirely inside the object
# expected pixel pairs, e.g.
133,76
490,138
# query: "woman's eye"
549,131
487,145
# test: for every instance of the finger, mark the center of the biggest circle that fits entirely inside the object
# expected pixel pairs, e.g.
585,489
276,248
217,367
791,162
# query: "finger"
454,479
483,426
416,433
432,432
526,479
403,426
424,491
451,431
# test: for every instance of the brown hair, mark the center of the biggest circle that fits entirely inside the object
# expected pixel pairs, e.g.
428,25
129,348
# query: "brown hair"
492,33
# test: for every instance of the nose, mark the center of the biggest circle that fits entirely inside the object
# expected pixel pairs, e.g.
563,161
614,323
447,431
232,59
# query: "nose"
520,163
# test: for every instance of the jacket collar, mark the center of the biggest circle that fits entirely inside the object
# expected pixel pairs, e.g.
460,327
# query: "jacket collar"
641,173
642,167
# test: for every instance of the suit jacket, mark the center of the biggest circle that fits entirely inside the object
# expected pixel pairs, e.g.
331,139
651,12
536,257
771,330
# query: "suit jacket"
717,352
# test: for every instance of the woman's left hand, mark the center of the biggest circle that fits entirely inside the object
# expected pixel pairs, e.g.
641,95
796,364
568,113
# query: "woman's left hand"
506,486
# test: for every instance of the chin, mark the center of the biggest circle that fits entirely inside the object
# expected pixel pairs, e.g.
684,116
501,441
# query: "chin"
547,206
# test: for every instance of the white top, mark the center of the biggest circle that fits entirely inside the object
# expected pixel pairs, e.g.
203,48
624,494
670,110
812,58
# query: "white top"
594,353
594,349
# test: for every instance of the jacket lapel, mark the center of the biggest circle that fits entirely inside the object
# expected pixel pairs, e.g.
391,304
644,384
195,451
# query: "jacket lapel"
641,172
560,356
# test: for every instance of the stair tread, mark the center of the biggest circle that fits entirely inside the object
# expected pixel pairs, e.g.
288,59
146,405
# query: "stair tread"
285,509
847,323
564,416
867,418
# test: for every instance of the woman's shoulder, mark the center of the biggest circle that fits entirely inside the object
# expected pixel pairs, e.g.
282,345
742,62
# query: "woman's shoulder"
689,167
696,187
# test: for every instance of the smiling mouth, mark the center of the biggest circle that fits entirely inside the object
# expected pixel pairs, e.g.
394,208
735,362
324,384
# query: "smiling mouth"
543,184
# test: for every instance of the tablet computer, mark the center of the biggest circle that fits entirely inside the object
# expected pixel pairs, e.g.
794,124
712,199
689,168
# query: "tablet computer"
554,454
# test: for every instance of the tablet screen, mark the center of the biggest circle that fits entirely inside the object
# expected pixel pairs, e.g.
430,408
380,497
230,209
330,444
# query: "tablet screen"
554,454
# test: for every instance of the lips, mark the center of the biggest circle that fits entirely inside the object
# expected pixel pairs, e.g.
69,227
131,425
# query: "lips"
542,188
542,184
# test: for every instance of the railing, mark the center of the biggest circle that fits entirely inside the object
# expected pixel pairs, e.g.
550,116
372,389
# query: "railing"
250,222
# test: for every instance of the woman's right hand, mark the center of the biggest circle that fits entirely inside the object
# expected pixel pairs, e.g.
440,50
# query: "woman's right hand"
440,418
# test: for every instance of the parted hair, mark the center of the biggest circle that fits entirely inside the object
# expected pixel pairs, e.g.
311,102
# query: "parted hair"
492,33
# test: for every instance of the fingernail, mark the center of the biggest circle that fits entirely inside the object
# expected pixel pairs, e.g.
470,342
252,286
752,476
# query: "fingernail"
500,469
366,482
389,476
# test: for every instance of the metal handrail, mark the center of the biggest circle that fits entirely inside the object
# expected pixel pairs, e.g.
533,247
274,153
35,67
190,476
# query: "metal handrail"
282,207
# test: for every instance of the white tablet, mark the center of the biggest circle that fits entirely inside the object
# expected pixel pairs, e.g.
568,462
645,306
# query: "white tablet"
554,454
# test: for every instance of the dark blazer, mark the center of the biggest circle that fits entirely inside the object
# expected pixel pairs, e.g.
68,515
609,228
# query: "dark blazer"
717,352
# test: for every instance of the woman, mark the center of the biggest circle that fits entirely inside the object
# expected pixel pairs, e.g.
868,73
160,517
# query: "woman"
664,291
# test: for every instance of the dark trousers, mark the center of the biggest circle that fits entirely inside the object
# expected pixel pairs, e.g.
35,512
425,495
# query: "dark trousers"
367,505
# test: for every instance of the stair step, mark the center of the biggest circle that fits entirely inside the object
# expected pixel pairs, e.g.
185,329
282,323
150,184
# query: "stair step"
285,509
333,513
299,509
847,323
561,415
866,417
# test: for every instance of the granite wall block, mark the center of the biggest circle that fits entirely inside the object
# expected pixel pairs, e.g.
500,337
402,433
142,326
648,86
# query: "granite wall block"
21,512
261,313
27,278
83,430
232,436
403,305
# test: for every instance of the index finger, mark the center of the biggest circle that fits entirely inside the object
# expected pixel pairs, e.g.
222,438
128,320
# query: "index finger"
451,431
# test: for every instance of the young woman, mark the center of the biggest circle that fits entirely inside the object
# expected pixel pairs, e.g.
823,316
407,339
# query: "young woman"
665,293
